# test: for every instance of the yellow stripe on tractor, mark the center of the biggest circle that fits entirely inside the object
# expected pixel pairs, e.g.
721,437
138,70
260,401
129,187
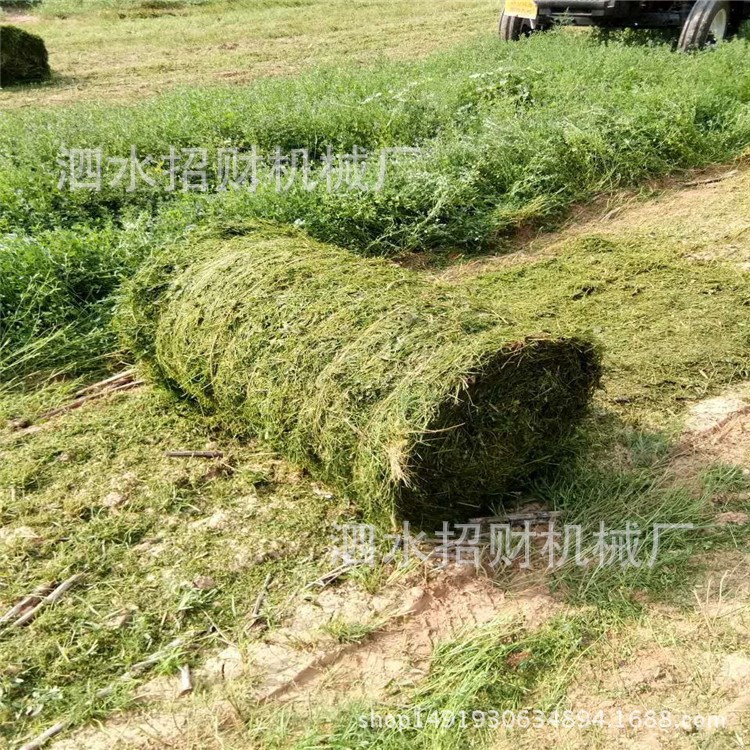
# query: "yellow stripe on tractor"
521,8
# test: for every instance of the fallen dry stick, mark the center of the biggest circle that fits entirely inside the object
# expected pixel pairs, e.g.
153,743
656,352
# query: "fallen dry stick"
712,180
44,737
331,576
51,598
255,615
194,454
153,659
79,402
186,680
122,377
26,602
537,515
139,667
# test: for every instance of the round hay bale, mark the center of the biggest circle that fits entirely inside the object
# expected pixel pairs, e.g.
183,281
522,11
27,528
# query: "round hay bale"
23,57
406,395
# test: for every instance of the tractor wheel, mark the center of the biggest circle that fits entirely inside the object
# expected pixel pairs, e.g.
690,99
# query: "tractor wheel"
512,28
707,25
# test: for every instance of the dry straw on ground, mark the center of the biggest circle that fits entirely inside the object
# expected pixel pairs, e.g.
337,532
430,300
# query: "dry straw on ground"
403,393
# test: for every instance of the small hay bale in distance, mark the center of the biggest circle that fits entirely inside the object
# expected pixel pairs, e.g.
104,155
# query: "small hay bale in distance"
407,395
23,57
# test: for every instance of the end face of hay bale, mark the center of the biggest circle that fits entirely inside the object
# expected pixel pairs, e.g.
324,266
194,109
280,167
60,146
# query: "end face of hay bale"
506,420
23,57
410,396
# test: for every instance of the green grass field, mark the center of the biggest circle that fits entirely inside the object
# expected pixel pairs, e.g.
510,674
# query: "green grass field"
556,176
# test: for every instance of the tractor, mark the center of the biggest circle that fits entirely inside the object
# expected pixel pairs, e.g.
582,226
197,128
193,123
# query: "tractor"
702,23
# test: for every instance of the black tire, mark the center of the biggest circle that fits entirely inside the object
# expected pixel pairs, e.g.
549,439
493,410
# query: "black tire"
709,23
512,28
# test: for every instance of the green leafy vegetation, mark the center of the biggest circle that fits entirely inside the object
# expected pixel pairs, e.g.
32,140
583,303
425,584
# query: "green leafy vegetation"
56,289
508,133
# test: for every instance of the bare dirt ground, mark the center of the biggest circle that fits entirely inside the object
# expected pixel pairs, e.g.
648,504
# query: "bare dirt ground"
16,18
